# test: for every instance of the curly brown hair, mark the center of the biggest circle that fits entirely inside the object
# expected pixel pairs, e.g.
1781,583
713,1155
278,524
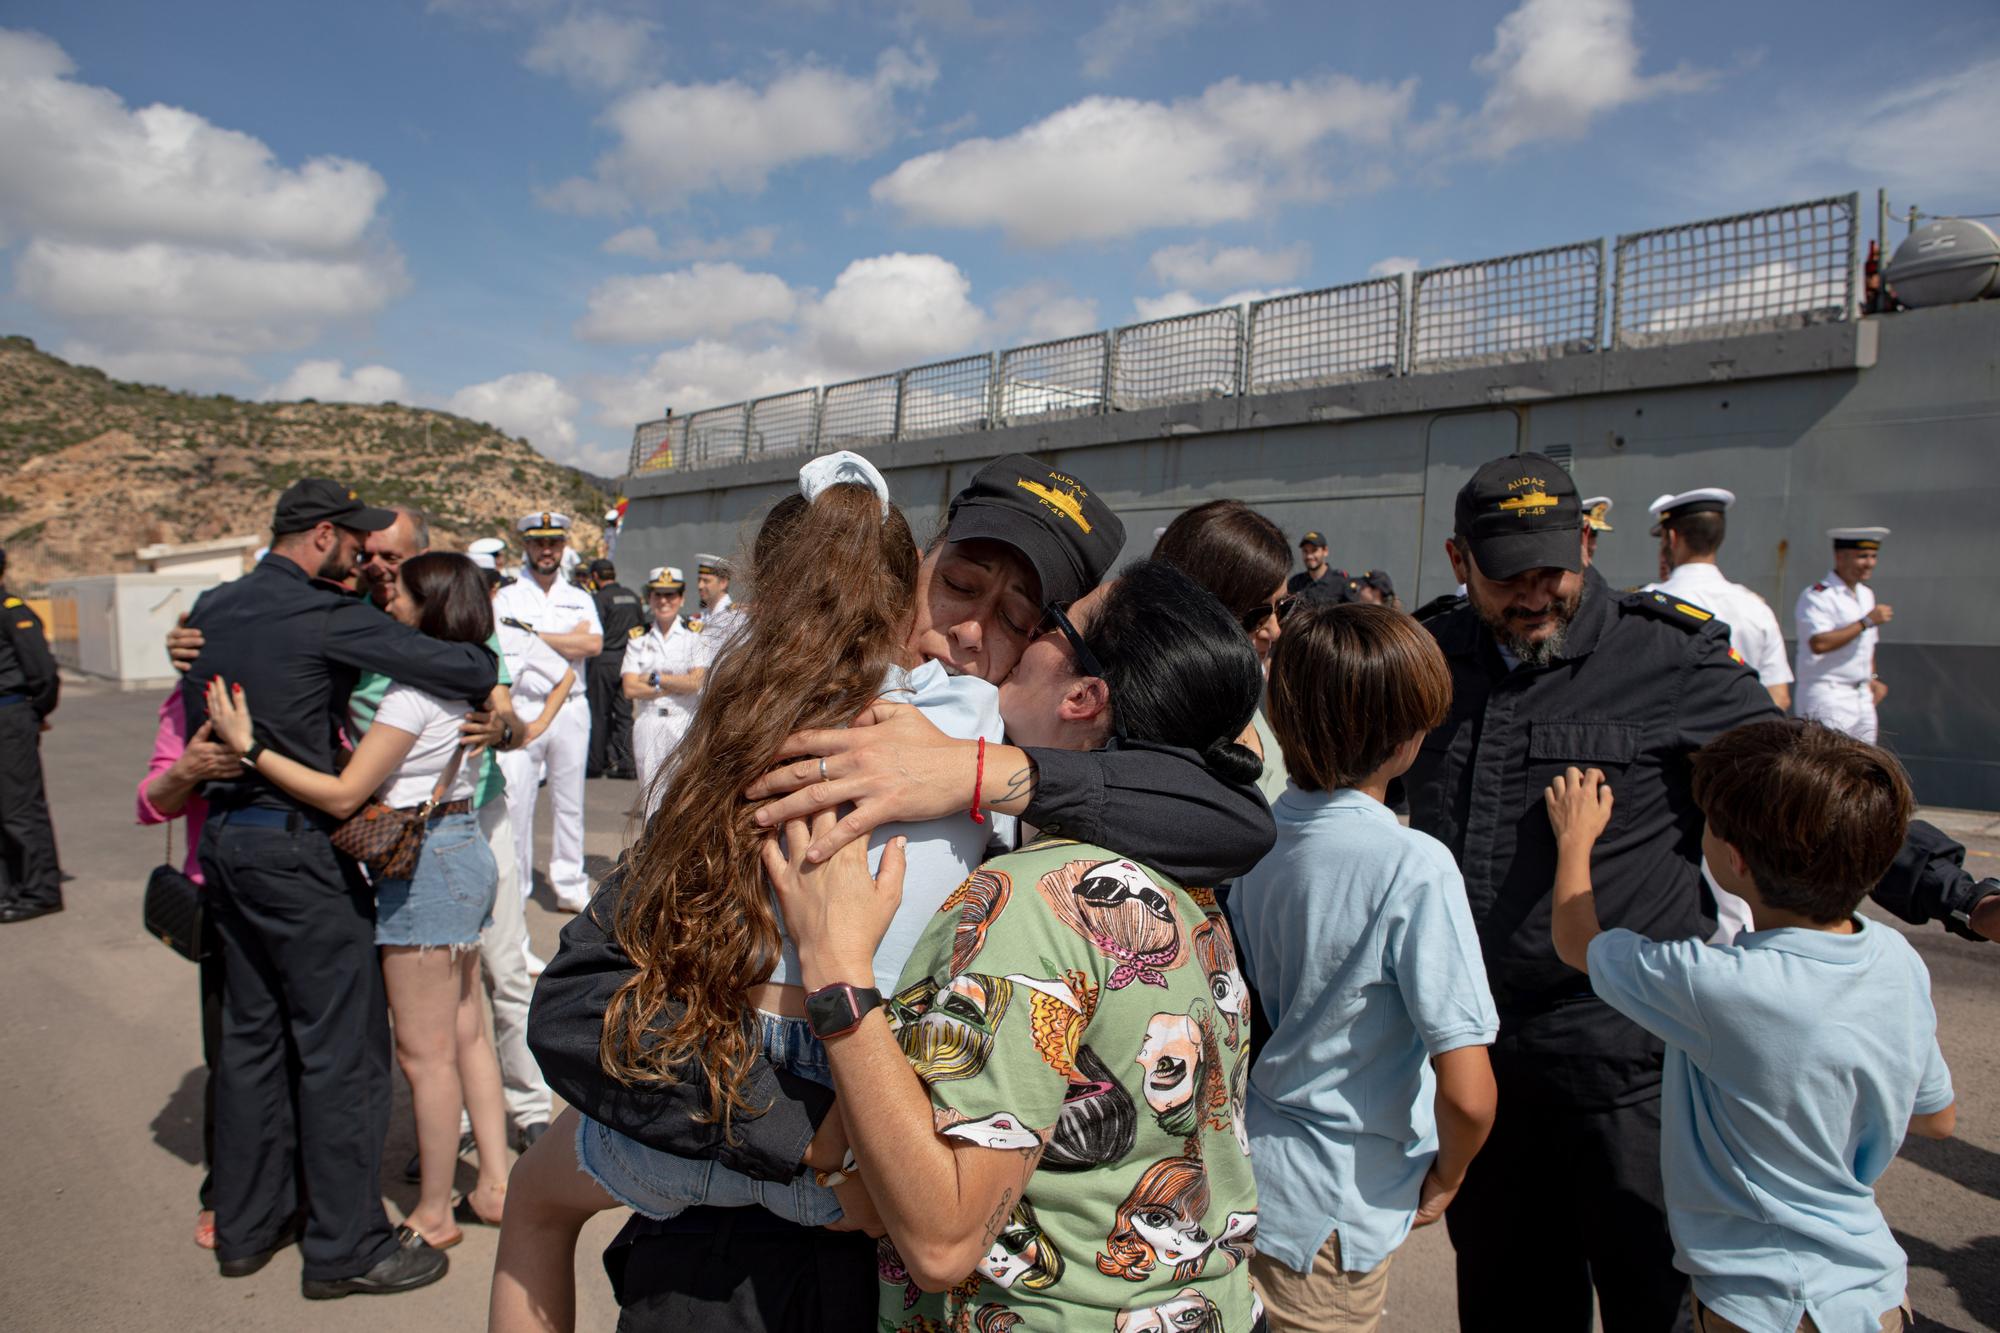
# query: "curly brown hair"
831,615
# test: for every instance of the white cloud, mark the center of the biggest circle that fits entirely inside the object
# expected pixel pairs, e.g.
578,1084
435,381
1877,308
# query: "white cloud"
1041,310
594,51
530,404
1108,167
1136,24
640,241
329,381
1394,264
675,140
893,310
1204,267
168,246
1169,304
705,373
1557,65
669,307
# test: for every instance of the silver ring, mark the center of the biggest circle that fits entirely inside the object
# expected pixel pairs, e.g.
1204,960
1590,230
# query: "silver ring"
822,768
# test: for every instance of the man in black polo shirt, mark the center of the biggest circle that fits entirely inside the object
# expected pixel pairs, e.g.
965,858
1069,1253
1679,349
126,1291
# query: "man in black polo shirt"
621,611
302,1098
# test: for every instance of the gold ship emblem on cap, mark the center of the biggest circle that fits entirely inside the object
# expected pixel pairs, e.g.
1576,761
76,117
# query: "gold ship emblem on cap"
1063,502
1532,500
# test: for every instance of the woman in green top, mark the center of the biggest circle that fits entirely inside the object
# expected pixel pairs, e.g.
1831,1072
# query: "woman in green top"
1044,1112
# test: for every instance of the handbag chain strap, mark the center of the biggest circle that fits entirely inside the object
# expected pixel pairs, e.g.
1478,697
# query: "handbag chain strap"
445,779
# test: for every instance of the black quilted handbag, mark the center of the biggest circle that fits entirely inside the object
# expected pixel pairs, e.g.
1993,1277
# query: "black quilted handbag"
173,907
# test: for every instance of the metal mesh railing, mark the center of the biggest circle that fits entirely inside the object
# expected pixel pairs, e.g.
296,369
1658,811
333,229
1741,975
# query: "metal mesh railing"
715,437
1542,303
785,423
1060,378
1774,268
1323,337
858,412
1791,265
946,397
656,444
1178,359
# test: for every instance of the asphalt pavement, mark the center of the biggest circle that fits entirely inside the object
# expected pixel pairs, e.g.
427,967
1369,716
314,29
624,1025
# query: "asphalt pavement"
101,1077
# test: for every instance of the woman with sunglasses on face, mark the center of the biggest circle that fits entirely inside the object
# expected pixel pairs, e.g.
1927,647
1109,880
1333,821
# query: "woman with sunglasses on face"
1240,556
1044,1111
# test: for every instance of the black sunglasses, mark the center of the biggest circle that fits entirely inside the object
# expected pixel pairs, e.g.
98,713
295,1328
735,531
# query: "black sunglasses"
1086,661
1254,618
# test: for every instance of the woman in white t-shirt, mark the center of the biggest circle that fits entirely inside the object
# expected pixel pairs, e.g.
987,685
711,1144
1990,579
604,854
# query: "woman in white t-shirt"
427,926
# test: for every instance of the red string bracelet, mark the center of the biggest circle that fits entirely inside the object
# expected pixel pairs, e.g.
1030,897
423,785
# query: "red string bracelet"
979,781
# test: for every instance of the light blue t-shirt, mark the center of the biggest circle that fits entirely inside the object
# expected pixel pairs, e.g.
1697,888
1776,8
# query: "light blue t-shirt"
1795,1059
942,853
1356,933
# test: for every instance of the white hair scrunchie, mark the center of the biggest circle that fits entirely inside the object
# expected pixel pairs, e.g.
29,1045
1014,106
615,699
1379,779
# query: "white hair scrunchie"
845,468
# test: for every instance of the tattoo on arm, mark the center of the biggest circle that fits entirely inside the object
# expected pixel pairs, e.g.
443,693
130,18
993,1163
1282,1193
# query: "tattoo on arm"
1020,784
1001,1211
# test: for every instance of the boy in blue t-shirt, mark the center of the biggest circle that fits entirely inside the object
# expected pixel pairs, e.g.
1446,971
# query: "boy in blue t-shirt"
1797,1056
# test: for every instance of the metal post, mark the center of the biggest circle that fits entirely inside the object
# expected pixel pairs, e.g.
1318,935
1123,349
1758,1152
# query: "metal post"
1853,253
1410,333
902,387
1246,335
1617,292
1405,284
993,364
1104,397
1597,311
746,433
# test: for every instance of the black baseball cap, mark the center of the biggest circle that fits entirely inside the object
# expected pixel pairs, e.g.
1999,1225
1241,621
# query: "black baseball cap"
1068,536
1314,539
1520,513
314,500
1379,580
602,567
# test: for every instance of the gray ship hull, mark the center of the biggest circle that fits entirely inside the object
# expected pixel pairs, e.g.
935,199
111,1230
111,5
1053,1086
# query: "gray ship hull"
1890,420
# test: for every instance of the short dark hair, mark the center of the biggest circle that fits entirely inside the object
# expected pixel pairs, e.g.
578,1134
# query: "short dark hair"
1817,815
450,592
1231,550
1180,669
1700,533
1350,682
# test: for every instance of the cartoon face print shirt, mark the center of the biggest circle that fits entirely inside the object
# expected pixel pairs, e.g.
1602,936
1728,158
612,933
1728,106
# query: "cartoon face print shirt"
1070,999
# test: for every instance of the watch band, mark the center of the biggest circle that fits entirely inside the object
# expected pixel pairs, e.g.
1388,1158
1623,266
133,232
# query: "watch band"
837,1010
250,755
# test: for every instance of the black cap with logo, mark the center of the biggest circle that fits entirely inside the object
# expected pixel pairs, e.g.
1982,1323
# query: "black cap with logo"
1068,535
310,501
1314,539
601,568
1520,513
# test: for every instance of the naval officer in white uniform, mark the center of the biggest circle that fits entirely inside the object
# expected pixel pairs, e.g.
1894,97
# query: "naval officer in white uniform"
1691,527
1838,618
719,616
564,616
1596,519
664,666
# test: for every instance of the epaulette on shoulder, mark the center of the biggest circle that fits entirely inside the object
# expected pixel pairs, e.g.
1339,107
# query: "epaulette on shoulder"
1661,606
693,624
15,601
636,632
510,620
1819,587
1437,606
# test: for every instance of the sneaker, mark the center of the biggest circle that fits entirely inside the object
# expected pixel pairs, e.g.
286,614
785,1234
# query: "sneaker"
413,1264
413,1169
572,905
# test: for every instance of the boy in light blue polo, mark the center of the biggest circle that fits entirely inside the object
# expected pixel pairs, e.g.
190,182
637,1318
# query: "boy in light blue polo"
1357,935
1798,1056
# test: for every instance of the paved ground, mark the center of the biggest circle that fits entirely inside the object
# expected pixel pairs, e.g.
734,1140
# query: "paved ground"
100,1091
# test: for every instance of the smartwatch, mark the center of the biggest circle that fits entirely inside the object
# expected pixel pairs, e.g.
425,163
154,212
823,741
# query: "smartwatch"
654,680
249,756
837,1010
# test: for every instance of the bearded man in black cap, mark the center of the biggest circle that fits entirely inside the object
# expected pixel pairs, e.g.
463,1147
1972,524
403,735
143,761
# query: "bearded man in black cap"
621,612
303,1091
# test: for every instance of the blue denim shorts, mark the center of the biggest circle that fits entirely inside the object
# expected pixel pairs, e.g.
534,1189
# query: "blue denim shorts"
660,1184
450,898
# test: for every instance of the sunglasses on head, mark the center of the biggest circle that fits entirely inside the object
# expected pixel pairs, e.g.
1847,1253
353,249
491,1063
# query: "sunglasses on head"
1055,615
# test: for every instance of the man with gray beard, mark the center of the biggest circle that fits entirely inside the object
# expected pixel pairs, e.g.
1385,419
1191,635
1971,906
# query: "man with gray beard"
1552,668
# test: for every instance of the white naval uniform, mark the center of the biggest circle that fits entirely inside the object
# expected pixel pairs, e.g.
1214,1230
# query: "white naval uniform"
561,751
1835,687
1753,626
658,724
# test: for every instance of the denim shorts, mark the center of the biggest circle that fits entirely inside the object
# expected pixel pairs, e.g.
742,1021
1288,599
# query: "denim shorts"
450,898
660,1184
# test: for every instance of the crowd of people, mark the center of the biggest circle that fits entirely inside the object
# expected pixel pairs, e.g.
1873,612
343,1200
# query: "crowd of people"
1011,940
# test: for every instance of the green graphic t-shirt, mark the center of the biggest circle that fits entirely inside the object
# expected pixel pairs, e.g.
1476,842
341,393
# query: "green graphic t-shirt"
1068,997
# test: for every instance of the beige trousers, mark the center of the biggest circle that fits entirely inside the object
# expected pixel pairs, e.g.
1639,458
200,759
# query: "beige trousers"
1708,1321
1325,1300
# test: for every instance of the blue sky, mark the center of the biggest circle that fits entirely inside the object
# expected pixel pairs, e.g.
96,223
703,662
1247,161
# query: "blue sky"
564,217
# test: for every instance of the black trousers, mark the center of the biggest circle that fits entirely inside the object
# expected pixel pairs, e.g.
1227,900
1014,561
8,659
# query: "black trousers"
610,715
741,1270
302,1083
211,1046
28,871
1559,1201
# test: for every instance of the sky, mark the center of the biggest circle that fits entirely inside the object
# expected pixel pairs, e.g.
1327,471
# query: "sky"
566,216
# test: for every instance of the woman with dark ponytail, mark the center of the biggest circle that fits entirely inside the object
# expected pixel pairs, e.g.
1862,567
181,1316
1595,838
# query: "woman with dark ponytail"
1066,995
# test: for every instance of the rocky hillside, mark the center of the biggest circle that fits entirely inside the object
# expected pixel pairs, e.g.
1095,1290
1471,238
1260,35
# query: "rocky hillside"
92,468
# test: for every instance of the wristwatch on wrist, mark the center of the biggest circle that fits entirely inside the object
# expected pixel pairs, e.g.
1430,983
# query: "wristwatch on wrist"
1958,922
654,680
837,1010
250,755
506,734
